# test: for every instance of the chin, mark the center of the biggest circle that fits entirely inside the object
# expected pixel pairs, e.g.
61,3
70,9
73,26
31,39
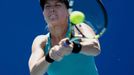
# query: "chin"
54,23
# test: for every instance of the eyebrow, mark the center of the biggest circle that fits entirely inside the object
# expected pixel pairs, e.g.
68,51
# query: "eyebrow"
57,1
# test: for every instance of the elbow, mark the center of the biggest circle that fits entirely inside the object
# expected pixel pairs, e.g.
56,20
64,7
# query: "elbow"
96,51
32,68
96,48
36,69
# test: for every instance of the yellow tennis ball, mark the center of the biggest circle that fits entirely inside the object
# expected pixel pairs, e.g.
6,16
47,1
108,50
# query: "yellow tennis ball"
77,17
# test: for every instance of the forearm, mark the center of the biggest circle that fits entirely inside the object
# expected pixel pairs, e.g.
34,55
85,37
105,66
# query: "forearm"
40,67
90,47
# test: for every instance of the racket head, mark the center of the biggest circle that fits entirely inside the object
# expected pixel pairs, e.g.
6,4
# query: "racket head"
95,14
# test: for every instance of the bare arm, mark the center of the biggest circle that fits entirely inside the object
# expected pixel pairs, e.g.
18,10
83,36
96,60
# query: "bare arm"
90,46
37,63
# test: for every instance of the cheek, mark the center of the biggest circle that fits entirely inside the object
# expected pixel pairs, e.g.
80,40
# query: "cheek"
45,15
64,14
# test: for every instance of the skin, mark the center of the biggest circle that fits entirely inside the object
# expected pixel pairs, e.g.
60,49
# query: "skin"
57,18
56,15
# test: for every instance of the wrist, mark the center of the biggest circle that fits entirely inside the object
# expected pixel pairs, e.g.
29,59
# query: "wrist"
76,47
49,59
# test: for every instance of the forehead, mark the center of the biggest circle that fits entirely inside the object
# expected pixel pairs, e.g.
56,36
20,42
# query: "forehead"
53,1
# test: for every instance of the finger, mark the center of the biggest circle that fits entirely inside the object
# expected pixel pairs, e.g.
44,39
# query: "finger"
56,54
78,35
66,43
59,53
63,40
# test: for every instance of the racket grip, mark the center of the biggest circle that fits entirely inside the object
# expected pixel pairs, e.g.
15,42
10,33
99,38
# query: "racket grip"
66,43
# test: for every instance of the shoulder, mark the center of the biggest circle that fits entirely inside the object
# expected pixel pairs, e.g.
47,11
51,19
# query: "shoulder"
39,42
40,38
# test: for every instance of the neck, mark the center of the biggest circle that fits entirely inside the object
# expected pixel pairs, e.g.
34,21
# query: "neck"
57,33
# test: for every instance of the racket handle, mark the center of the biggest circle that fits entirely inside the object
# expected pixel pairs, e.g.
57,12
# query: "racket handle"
66,43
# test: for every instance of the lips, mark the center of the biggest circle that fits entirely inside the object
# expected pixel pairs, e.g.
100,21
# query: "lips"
53,17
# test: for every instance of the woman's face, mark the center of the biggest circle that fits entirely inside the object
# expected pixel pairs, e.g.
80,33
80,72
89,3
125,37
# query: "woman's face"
55,12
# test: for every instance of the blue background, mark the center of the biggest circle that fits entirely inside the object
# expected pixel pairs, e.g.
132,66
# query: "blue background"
21,21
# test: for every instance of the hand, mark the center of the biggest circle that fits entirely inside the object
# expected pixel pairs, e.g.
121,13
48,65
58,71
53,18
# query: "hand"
55,53
59,51
66,46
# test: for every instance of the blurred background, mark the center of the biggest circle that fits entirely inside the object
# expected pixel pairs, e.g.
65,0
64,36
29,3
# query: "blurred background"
22,20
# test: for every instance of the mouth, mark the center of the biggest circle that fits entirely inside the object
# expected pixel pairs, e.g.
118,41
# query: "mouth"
53,17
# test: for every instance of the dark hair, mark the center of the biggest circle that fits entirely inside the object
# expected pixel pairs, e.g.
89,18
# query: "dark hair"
43,2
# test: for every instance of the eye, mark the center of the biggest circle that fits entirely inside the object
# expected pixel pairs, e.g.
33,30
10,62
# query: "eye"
47,6
58,5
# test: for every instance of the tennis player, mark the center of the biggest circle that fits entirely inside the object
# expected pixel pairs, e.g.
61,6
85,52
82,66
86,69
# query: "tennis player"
54,53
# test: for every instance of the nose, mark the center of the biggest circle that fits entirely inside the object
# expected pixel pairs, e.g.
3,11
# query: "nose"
52,9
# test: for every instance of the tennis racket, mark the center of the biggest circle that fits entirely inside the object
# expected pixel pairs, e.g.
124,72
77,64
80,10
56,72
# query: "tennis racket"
95,16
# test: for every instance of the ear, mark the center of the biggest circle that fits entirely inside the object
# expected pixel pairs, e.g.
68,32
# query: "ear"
43,13
68,14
